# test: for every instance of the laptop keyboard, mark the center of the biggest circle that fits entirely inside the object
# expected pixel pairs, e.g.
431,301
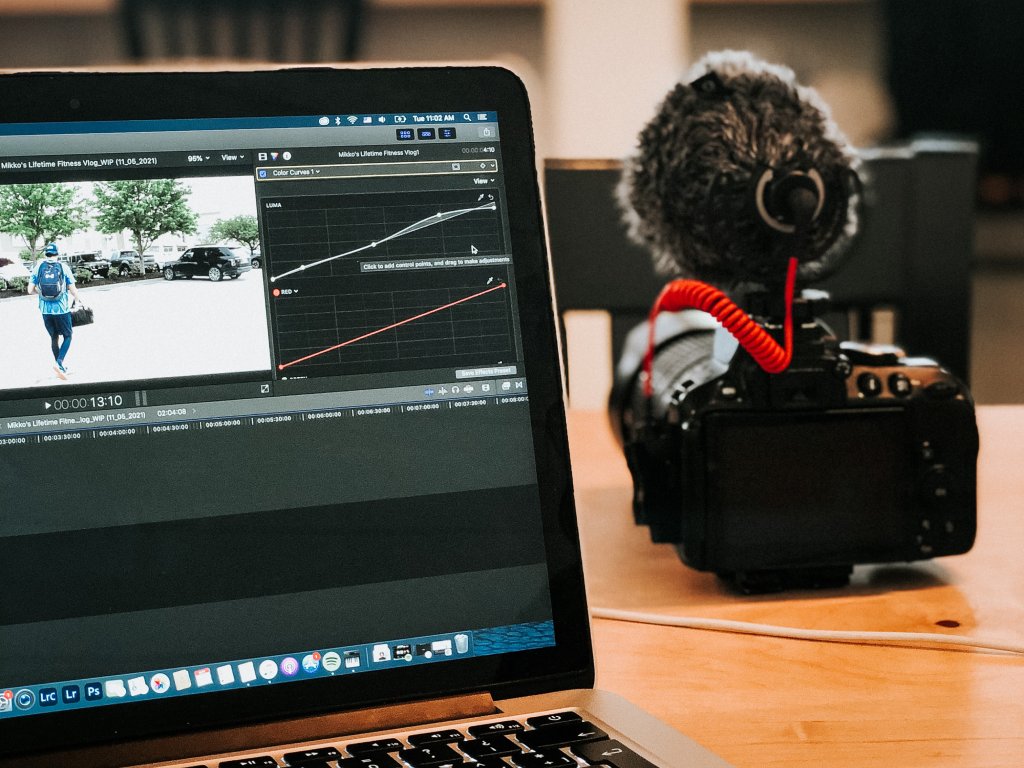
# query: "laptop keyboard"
556,740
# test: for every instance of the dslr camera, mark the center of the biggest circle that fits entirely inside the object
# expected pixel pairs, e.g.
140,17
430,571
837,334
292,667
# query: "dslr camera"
849,454
852,455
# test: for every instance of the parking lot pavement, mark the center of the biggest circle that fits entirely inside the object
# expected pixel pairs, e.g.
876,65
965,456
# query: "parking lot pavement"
144,329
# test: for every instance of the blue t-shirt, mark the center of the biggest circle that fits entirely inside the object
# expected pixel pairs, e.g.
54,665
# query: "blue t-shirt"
59,306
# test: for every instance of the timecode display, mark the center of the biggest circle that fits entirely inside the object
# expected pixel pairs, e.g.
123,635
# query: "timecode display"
91,401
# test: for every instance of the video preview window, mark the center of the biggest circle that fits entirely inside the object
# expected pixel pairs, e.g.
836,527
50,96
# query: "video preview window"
170,269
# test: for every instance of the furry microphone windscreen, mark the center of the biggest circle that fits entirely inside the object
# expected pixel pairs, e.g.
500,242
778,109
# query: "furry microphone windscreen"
688,193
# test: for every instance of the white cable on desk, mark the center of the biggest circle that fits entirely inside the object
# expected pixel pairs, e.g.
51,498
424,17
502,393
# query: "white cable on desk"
826,635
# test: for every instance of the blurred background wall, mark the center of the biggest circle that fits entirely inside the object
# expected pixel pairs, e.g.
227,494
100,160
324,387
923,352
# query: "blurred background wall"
596,69
604,59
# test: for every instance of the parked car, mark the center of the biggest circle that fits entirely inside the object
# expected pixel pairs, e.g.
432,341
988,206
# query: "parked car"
124,262
212,261
11,270
256,259
92,261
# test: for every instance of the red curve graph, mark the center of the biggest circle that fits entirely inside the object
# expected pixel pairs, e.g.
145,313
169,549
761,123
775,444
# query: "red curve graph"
421,315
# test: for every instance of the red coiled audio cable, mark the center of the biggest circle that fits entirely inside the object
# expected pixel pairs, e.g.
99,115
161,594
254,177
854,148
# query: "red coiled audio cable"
693,294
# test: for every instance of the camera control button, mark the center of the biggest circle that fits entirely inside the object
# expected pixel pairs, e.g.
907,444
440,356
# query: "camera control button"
728,391
942,390
900,385
869,385
935,485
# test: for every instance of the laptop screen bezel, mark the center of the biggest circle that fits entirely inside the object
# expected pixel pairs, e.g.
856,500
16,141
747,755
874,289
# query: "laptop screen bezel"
60,97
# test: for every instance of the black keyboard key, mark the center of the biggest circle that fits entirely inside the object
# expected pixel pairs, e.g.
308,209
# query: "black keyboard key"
379,745
489,762
503,726
561,735
552,759
375,760
313,764
311,755
449,736
613,753
489,746
263,761
556,718
430,755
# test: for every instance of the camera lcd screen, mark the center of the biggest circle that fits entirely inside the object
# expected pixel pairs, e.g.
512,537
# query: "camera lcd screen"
826,488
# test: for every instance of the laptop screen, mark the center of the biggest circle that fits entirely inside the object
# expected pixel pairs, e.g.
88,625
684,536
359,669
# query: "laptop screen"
265,407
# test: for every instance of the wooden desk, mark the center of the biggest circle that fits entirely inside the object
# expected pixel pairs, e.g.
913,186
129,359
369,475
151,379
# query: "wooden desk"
761,701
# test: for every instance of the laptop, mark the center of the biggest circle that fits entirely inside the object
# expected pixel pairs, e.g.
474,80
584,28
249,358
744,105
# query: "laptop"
297,490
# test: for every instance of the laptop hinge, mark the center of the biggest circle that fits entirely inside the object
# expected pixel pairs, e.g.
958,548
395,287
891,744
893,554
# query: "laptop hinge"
269,735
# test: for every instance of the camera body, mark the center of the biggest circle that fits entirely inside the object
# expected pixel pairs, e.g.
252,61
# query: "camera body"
854,454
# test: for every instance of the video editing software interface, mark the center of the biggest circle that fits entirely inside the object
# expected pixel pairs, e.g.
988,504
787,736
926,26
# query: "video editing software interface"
299,445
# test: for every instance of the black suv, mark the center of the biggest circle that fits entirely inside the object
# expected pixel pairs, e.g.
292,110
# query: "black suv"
93,262
212,261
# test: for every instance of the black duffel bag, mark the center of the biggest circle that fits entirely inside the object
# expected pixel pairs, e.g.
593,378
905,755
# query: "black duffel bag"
81,314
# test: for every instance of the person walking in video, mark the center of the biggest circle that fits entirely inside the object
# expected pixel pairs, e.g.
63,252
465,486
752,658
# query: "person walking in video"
53,281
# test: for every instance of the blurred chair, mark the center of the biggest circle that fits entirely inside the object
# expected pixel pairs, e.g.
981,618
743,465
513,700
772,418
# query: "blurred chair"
266,30
907,280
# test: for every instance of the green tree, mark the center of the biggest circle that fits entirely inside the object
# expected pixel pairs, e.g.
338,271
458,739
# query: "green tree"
241,229
147,208
41,213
